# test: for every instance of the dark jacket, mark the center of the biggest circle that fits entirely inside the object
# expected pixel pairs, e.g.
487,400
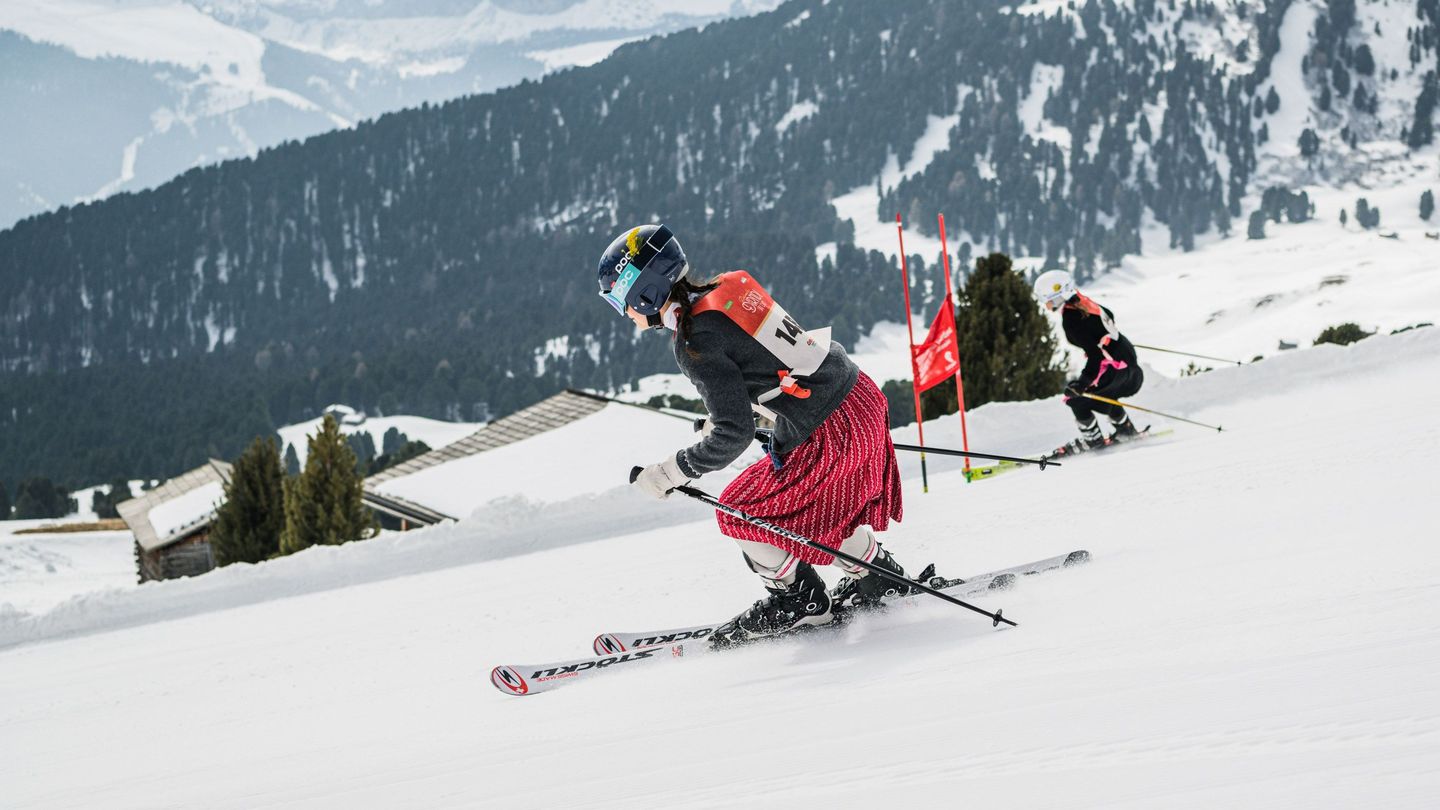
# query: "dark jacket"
731,370
1105,348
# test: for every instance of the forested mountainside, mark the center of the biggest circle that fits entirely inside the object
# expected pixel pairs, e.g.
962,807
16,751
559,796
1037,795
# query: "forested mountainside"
122,96
439,260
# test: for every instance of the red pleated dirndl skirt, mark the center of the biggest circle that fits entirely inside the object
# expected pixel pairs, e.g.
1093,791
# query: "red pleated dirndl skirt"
844,476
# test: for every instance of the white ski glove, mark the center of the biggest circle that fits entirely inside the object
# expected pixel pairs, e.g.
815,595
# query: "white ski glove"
657,480
705,425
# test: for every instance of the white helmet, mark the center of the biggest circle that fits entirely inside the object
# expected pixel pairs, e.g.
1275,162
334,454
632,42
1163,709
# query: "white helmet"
1054,288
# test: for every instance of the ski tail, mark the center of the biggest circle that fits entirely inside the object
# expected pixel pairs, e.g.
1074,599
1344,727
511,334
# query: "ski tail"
521,680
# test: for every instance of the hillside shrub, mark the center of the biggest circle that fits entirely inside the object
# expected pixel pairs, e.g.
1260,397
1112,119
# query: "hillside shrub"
1342,334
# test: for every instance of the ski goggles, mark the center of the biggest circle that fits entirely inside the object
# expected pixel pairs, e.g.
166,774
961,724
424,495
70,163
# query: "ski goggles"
615,296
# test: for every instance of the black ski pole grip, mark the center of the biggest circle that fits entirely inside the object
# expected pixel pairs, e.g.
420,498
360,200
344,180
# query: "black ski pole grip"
635,473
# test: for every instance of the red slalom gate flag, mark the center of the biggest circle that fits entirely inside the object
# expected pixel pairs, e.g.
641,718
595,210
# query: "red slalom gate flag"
938,358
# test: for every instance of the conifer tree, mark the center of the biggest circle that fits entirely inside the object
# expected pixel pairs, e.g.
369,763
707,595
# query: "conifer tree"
1427,204
39,497
1257,225
248,524
104,504
4,502
292,460
1007,350
322,504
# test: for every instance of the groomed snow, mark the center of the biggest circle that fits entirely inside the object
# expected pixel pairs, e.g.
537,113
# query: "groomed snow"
1260,627
40,571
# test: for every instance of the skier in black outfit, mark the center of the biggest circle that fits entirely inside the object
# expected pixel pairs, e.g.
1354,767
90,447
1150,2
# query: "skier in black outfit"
1111,369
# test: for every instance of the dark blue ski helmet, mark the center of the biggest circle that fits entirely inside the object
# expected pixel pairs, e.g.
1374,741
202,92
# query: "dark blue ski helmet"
640,267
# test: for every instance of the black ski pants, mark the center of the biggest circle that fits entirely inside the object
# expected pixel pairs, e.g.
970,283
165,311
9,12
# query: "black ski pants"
1115,385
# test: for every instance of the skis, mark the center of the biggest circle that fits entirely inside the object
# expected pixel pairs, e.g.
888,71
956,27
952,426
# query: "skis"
992,470
630,651
1111,443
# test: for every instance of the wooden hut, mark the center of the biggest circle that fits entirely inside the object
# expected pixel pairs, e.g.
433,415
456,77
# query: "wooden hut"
172,522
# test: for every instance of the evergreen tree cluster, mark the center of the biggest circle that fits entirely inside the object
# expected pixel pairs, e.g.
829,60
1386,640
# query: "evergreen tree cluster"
401,454
396,448
39,497
322,504
248,525
1277,202
1366,216
104,500
268,513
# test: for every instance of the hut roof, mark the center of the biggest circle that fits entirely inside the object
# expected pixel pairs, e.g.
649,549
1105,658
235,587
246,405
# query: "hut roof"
453,481
177,508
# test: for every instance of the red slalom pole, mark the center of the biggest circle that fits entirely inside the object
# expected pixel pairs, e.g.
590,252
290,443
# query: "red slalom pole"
910,347
959,381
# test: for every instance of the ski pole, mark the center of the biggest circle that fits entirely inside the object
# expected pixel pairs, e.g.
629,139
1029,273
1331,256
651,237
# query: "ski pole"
941,451
762,436
712,501
1187,354
1110,401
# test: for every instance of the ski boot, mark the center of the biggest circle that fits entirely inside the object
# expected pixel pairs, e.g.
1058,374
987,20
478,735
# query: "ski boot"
863,590
1125,430
788,608
1090,439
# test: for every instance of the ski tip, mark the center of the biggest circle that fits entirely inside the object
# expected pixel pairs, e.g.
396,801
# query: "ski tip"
608,644
1077,557
1004,582
509,681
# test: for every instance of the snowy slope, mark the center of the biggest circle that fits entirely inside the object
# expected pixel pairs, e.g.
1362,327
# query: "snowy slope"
1261,627
39,571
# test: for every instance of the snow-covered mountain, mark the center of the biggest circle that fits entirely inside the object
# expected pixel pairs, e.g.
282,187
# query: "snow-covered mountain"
119,95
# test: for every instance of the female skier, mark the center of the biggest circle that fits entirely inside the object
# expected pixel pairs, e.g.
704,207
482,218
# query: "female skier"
1111,369
830,472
